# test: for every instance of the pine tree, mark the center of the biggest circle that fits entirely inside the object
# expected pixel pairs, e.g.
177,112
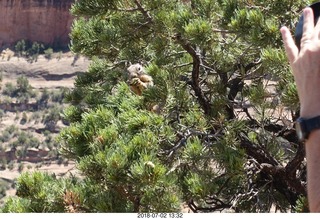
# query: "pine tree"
224,136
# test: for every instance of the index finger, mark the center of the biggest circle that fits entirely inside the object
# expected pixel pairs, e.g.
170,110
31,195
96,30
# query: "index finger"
289,45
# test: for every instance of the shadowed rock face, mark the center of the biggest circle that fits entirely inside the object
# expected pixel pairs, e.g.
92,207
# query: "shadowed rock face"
45,21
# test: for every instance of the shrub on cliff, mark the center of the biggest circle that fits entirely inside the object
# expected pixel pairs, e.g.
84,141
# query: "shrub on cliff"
48,53
223,138
20,48
23,91
31,50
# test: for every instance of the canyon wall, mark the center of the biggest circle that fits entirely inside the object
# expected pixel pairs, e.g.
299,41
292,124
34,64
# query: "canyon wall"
45,21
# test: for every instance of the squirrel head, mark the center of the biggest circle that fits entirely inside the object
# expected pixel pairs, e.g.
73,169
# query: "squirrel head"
135,70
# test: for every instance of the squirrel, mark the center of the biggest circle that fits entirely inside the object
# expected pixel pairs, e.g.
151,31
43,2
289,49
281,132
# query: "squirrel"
138,79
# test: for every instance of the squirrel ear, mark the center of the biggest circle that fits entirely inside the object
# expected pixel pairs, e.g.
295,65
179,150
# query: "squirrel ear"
127,63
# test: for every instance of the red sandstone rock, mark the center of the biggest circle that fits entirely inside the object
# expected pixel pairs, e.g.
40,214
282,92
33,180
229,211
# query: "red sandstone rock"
44,21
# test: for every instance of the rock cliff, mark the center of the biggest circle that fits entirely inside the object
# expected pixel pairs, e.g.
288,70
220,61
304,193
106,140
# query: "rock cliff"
45,21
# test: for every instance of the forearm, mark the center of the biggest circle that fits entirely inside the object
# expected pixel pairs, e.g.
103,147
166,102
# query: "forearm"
313,170
312,147
305,65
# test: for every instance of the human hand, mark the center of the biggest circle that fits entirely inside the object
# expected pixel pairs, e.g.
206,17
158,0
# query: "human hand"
305,64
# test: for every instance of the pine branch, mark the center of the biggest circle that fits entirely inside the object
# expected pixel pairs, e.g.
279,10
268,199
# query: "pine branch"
218,205
284,179
128,9
184,138
205,104
289,185
296,162
256,152
235,85
224,79
143,11
222,31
